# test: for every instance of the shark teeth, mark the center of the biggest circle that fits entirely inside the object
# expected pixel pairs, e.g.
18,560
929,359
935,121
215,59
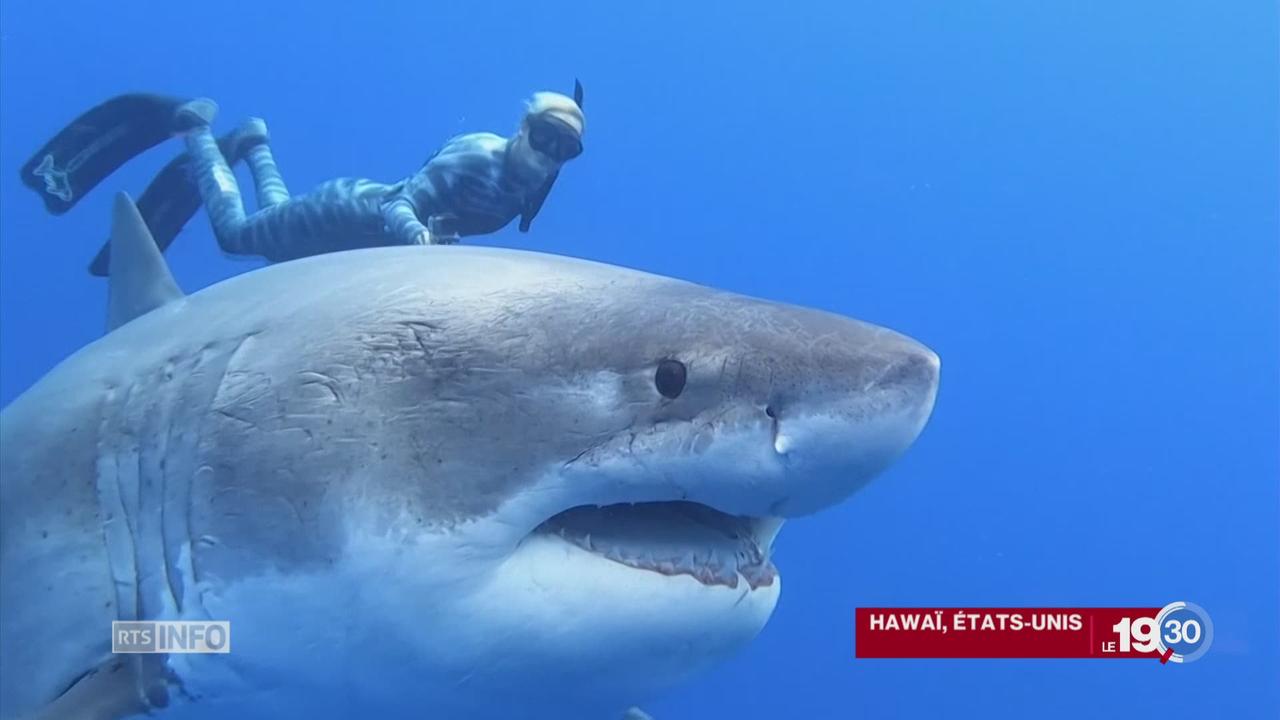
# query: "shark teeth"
674,538
766,530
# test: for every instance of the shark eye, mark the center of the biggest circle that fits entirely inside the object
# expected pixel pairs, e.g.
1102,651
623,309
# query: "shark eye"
669,378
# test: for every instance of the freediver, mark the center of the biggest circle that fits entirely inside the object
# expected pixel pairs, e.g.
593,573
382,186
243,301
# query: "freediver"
474,184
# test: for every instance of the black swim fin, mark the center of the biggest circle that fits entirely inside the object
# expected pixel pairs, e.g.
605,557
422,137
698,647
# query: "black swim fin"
167,205
97,143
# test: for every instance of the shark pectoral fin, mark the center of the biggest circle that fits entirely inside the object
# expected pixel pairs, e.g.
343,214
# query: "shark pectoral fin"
140,280
121,687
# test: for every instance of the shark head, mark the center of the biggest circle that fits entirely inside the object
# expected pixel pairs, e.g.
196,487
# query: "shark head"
690,423
442,481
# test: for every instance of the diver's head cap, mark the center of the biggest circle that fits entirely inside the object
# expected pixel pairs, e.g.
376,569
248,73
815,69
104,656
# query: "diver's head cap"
559,107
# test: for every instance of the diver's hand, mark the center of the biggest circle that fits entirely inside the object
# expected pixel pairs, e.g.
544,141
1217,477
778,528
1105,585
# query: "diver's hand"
426,237
443,229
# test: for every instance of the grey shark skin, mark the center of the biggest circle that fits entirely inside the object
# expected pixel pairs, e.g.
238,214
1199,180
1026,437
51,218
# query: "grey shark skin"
364,461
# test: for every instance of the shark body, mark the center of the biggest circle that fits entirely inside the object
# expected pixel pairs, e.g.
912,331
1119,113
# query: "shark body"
424,482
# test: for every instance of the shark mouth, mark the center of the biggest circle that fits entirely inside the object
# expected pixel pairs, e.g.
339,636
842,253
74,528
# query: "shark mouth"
674,538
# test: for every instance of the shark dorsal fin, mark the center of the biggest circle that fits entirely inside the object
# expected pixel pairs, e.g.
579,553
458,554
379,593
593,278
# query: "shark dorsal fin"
140,280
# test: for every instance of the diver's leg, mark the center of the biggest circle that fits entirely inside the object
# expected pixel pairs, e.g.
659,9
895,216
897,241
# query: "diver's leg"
219,190
266,177
169,202
254,144
174,195
284,228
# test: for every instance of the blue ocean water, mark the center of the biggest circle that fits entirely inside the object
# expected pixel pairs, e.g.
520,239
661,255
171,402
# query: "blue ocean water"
1077,205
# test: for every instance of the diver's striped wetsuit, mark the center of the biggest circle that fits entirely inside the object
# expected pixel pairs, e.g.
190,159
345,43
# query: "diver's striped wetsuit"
468,187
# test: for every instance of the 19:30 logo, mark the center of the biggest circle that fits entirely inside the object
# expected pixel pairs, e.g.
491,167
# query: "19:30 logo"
1181,632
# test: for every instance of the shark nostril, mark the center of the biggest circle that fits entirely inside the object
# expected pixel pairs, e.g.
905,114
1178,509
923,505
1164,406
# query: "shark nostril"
775,439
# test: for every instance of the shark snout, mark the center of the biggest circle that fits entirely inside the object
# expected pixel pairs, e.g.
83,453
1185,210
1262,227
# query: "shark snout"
858,414
912,366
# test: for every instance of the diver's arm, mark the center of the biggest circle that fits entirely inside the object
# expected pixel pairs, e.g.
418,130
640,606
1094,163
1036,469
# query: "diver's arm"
403,223
457,185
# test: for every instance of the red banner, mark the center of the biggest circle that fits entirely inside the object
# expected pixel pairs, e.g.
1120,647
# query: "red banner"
1007,633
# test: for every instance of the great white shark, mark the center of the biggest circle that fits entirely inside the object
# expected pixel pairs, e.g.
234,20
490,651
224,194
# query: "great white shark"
429,482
